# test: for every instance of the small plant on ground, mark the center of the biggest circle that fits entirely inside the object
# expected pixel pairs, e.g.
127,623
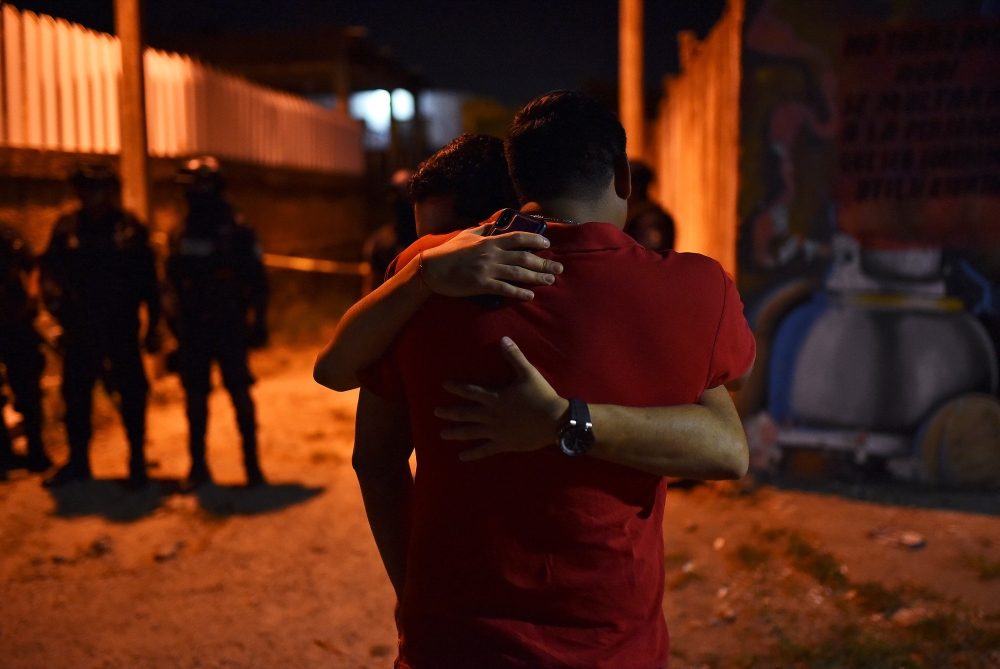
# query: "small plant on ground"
820,565
874,597
988,570
752,557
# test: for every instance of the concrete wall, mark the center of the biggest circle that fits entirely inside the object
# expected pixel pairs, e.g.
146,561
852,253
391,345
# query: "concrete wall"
795,86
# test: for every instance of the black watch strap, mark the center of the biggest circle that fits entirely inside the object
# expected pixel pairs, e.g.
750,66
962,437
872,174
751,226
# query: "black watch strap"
577,436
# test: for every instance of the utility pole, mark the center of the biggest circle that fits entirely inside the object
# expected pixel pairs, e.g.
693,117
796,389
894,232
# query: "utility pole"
133,163
631,108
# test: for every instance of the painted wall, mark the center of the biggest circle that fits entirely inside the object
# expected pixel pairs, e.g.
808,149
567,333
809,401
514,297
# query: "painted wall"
796,83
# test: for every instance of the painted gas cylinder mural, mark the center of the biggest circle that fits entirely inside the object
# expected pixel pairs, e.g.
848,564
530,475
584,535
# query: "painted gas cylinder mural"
869,250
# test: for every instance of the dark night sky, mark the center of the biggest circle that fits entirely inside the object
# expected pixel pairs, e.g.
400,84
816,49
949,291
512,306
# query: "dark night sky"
513,50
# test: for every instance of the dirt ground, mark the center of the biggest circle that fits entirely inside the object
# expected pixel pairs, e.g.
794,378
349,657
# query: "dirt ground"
288,575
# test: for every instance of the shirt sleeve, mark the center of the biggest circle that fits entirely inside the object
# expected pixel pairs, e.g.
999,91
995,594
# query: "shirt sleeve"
383,377
735,348
390,271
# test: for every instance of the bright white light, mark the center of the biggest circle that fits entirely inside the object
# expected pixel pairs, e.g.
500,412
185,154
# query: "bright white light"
402,104
373,107
442,114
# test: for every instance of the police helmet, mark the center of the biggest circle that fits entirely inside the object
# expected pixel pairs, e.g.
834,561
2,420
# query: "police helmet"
202,174
400,180
94,175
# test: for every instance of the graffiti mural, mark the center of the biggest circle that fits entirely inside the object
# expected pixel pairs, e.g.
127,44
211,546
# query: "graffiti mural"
774,243
920,145
791,124
869,245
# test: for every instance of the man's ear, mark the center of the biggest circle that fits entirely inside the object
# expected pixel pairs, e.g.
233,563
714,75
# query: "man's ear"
623,177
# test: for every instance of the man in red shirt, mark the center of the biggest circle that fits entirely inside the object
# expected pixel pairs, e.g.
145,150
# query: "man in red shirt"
541,545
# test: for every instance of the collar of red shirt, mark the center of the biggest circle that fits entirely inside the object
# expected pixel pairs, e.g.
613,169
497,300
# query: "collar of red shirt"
593,236
565,237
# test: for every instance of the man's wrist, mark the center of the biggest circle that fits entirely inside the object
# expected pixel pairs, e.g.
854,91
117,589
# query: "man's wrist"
416,278
558,415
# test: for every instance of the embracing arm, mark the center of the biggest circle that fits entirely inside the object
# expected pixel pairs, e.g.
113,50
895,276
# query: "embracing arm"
468,264
368,328
697,441
382,447
700,441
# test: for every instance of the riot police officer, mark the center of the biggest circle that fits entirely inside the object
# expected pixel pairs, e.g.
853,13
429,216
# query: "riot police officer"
19,352
97,272
218,311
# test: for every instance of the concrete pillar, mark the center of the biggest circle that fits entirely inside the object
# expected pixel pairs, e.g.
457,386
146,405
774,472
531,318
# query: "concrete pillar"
630,90
132,106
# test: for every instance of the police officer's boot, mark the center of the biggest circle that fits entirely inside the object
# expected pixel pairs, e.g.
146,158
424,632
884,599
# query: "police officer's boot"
246,420
197,415
8,460
255,477
199,474
77,392
77,469
78,433
134,418
37,461
137,476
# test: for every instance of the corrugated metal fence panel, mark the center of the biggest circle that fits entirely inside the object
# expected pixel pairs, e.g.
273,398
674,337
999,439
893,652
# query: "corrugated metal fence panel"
68,107
13,76
83,87
61,84
49,73
111,72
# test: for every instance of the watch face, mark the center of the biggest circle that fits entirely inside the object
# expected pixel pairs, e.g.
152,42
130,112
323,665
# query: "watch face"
576,440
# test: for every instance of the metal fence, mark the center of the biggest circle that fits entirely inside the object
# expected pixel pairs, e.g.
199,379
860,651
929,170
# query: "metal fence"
698,140
60,82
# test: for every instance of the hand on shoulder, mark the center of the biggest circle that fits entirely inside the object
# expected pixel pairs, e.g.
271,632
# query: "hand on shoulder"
471,263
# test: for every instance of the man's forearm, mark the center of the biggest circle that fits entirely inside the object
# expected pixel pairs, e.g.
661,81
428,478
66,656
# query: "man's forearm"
703,440
369,327
382,448
700,441
387,495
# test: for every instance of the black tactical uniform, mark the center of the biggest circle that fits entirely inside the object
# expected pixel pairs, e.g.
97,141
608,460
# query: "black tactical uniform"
96,273
217,284
19,353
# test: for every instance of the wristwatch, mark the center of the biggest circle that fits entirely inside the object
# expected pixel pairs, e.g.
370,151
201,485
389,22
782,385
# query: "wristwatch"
577,436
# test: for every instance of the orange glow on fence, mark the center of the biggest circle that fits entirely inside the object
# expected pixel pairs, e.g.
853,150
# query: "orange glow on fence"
314,265
697,141
61,84
630,78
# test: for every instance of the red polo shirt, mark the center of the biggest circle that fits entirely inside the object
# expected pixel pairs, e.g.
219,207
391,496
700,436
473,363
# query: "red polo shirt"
538,559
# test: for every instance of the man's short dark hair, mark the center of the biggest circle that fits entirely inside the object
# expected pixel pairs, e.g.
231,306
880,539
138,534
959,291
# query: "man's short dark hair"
473,168
563,144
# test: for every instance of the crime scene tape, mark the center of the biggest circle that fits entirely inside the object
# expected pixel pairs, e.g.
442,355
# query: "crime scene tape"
314,265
